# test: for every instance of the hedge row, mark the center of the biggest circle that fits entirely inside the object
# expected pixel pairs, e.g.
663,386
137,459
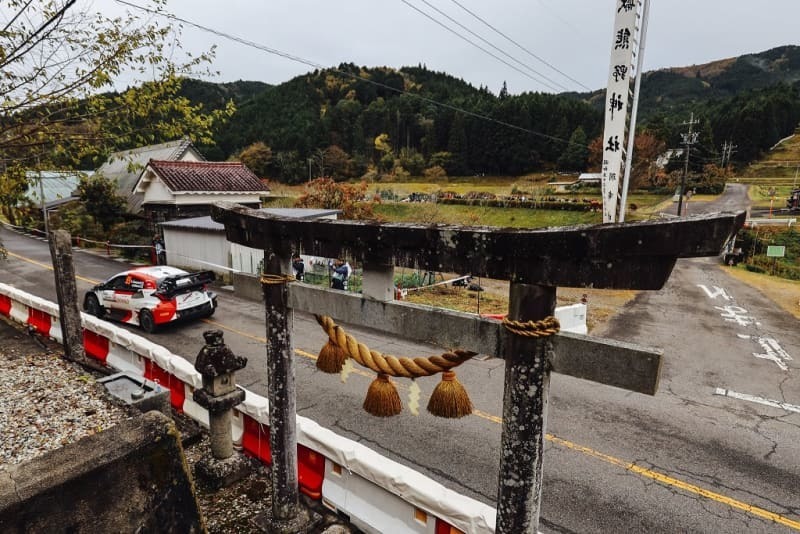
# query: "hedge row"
542,205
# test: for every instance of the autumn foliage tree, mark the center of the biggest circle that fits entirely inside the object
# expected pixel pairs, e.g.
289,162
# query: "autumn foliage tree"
647,147
60,66
257,157
351,199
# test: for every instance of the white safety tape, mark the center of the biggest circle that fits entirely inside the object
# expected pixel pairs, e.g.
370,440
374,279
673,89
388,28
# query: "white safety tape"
445,282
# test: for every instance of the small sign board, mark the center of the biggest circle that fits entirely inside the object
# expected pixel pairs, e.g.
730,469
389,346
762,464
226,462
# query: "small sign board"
776,251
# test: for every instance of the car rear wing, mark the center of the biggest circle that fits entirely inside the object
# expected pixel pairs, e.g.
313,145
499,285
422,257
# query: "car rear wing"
178,283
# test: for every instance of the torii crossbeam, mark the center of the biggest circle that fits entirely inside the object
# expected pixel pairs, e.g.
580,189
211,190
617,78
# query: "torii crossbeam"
615,256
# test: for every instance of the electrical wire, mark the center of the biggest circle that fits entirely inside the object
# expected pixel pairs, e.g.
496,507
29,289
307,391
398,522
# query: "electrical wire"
479,47
519,45
454,21
310,63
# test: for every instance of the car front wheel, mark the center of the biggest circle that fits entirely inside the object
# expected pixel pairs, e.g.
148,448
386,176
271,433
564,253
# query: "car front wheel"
93,306
146,321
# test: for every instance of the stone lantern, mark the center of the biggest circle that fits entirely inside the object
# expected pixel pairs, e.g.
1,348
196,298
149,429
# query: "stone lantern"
217,364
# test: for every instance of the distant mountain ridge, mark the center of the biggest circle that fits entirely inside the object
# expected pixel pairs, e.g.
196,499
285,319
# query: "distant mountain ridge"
781,64
672,89
751,101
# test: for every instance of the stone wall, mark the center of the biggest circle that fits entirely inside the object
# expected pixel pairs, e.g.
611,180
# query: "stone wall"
130,478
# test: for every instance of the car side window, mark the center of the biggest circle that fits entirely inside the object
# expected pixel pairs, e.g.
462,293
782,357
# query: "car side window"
136,283
117,283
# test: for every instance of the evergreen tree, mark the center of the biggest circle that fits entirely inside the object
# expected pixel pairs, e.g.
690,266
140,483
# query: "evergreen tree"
457,146
576,153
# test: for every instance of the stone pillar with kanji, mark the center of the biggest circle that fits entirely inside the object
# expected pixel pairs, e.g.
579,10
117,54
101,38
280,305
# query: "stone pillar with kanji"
217,364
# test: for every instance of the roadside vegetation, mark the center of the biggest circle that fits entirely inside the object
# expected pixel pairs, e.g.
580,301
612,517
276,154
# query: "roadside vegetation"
785,293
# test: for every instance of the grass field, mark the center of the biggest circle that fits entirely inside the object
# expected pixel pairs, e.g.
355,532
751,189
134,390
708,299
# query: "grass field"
430,213
536,185
785,293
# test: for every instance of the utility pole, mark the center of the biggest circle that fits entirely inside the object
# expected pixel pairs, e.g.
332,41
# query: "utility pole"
689,139
42,202
731,149
724,153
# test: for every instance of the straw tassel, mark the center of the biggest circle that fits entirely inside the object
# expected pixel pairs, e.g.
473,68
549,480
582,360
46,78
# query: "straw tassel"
449,399
331,358
382,398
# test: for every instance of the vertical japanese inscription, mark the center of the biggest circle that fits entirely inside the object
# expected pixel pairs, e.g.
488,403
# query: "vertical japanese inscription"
618,105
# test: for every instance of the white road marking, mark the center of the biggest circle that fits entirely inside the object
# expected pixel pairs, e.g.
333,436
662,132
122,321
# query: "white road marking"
736,314
716,292
760,400
773,352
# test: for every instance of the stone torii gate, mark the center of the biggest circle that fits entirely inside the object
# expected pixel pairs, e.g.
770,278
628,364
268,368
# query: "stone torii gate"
613,256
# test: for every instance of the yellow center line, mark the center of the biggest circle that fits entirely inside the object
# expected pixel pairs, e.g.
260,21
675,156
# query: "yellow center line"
50,267
631,467
674,482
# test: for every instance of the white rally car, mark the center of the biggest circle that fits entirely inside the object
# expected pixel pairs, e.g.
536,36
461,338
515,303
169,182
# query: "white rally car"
152,296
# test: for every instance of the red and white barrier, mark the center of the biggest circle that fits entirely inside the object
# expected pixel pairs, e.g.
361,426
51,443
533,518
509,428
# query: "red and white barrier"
378,494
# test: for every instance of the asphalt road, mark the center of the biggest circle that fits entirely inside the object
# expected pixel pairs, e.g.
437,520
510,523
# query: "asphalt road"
685,460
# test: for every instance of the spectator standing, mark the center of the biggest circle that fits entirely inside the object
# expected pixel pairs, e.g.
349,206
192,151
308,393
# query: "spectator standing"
299,268
341,272
158,245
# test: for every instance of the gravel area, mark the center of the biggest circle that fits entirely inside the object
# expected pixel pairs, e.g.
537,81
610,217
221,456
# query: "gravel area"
47,402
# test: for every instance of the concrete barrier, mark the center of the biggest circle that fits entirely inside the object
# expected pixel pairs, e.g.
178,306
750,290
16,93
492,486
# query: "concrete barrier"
247,286
376,491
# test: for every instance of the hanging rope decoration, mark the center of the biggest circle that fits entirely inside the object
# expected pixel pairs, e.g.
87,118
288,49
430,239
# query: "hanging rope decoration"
548,326
449,399
272,279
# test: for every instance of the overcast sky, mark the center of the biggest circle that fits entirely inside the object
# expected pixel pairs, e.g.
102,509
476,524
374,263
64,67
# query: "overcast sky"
572,36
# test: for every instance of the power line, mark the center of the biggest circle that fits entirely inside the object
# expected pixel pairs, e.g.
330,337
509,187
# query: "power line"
473,43
310,63
454,21
519,45
559,17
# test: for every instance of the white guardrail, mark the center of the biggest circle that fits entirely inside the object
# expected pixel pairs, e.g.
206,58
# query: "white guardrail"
378,494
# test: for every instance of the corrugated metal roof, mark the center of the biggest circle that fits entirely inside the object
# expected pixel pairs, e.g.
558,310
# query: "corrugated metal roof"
57,185
207,223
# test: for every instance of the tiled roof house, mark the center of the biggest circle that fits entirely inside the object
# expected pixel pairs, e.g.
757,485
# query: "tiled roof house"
125,167
180,189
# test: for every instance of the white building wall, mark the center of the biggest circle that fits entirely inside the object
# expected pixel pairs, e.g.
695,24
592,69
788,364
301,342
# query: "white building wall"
209,198
245,259
156,191
196,250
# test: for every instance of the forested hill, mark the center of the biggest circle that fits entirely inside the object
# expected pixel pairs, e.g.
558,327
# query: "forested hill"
411,119
678,88
374,116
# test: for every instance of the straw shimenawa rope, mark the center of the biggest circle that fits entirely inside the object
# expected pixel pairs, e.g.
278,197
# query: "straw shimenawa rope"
272,279
546,327
449,399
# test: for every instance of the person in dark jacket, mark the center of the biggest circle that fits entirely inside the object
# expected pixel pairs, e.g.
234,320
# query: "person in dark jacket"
299,268
341,273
